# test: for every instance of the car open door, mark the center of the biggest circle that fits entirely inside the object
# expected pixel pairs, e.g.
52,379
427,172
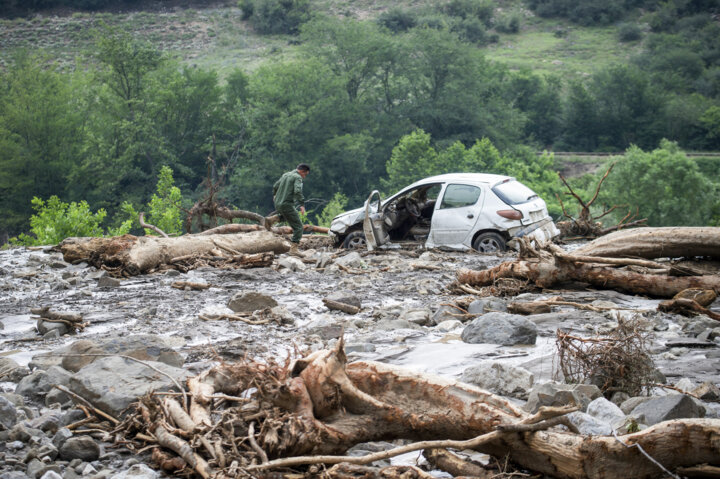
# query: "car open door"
373,224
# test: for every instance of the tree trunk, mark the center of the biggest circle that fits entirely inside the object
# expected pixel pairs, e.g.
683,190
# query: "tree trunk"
672,242
138,255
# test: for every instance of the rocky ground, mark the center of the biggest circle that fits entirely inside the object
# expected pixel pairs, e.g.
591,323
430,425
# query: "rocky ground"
408,316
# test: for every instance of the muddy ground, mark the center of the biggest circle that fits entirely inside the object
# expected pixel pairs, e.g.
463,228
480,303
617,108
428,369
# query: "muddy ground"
399,292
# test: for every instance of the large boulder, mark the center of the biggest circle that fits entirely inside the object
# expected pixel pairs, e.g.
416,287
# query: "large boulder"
665,408
112,383
589,425
80,447
500,378
251,301
558,394
607,412
11,370
8,414
500,328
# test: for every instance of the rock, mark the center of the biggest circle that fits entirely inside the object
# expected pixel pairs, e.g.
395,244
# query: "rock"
500,378
47,450
447,312
13,475
419,316
664,408
500,328
62,435
395,324
12,371
619,397
487,305
684,385
56,396
80,447
138,471
589,425
251,301
607,412
8,414
630,404
45,327
350,260
291,263
108,282
707,391
72,416
112,383
51,474
326,327
345,297
146,347
557,394
34,386
49,422
449,325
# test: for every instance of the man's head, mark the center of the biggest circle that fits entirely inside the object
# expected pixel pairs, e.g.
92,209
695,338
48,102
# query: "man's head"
303,169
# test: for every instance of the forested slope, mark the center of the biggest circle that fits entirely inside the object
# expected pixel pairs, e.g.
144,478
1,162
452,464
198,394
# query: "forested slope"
97,97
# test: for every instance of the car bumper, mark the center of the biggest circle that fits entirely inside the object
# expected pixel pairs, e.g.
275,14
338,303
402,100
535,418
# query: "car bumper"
544,230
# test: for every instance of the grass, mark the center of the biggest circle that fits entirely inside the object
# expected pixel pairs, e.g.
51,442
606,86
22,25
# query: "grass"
217,38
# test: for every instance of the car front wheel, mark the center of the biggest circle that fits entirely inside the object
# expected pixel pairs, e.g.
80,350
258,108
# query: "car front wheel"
489,243
355,240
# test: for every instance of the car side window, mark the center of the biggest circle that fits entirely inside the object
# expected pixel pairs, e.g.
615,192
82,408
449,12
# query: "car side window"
457,196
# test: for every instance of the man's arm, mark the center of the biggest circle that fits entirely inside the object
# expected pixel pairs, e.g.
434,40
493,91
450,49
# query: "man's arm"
298,193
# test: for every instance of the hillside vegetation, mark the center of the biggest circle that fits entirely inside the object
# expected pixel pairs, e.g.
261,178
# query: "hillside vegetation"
98,97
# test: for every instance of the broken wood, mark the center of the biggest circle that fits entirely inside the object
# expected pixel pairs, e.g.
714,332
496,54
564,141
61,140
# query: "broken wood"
447,461
189,285
686,307
141,219
134,255
650,243
344,307
233,228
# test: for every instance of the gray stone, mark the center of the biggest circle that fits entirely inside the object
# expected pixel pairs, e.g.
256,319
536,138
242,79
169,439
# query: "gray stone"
685,385
447,312
500,328
395,324
48,423
345,297
138,471
419,316
80,447
55,333
350,260
112,383
449,325
108,282
619,397
72,416
62,435
251,301
34,386
145,347
47,450
606,411
631,403
8,414
45,327
707,391
500,378
51,475
12,371
486,305
359,348
672,406
557,394
291,263
34,467
13,475
589,425
325,327
56,396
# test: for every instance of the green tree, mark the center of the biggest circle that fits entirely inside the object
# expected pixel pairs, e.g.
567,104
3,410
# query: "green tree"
164,208
333,208
657,183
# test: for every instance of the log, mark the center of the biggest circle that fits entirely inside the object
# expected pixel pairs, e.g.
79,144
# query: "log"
666,242
344,307
138,255
234,228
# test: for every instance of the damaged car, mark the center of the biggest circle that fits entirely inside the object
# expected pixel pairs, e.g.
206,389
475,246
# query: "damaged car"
458,211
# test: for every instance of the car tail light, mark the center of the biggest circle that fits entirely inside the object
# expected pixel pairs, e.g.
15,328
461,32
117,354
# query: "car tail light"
510,214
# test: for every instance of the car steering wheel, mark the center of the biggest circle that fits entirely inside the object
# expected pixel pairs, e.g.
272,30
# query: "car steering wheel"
412,207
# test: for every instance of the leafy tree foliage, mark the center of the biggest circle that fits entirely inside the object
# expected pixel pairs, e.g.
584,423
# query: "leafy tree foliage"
276,16
333,208
583,12
164,207
658,184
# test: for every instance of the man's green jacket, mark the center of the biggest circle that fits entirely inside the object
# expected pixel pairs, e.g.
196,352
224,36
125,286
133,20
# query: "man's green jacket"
288,190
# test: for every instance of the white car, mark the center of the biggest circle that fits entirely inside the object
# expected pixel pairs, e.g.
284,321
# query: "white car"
455,211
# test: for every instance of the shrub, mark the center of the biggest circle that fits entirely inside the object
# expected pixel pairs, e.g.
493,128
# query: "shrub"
466,9
471,30
397,20
164,207
56,220
629,32
508,23
334,207
279,16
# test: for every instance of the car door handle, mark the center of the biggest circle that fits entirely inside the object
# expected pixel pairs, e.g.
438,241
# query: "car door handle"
471,216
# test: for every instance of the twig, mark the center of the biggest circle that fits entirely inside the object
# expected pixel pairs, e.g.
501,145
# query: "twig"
87,403
254,444
141,218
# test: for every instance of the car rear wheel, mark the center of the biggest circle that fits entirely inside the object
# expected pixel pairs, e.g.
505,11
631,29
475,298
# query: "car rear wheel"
355,240
489,243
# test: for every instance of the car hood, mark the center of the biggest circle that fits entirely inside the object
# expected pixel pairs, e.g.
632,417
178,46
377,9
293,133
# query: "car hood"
342,222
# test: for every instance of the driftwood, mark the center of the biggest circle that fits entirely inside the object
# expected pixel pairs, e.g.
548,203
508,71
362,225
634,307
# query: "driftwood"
344,307
73,321
141,219
550,265
312,411
132,255
586,224
232,228
666,242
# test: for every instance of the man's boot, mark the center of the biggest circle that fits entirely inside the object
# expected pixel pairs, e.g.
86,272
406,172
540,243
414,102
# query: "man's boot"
294,251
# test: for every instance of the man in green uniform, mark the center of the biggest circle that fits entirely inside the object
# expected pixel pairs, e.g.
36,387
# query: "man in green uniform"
287,195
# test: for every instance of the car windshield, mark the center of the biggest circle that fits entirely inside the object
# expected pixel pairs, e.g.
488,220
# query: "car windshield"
513,192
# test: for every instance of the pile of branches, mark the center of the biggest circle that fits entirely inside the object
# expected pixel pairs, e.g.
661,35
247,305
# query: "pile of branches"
617,362
586,225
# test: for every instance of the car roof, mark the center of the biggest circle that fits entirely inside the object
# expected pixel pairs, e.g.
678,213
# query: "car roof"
470,177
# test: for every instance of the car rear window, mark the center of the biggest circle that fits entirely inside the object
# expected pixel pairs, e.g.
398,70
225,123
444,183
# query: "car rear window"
513,192
460,195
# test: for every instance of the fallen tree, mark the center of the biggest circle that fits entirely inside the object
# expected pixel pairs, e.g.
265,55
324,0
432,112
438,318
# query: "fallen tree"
132,255
549,265
312,411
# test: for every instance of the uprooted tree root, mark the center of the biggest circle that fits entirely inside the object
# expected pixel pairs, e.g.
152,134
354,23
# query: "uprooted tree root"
616,362
264,419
